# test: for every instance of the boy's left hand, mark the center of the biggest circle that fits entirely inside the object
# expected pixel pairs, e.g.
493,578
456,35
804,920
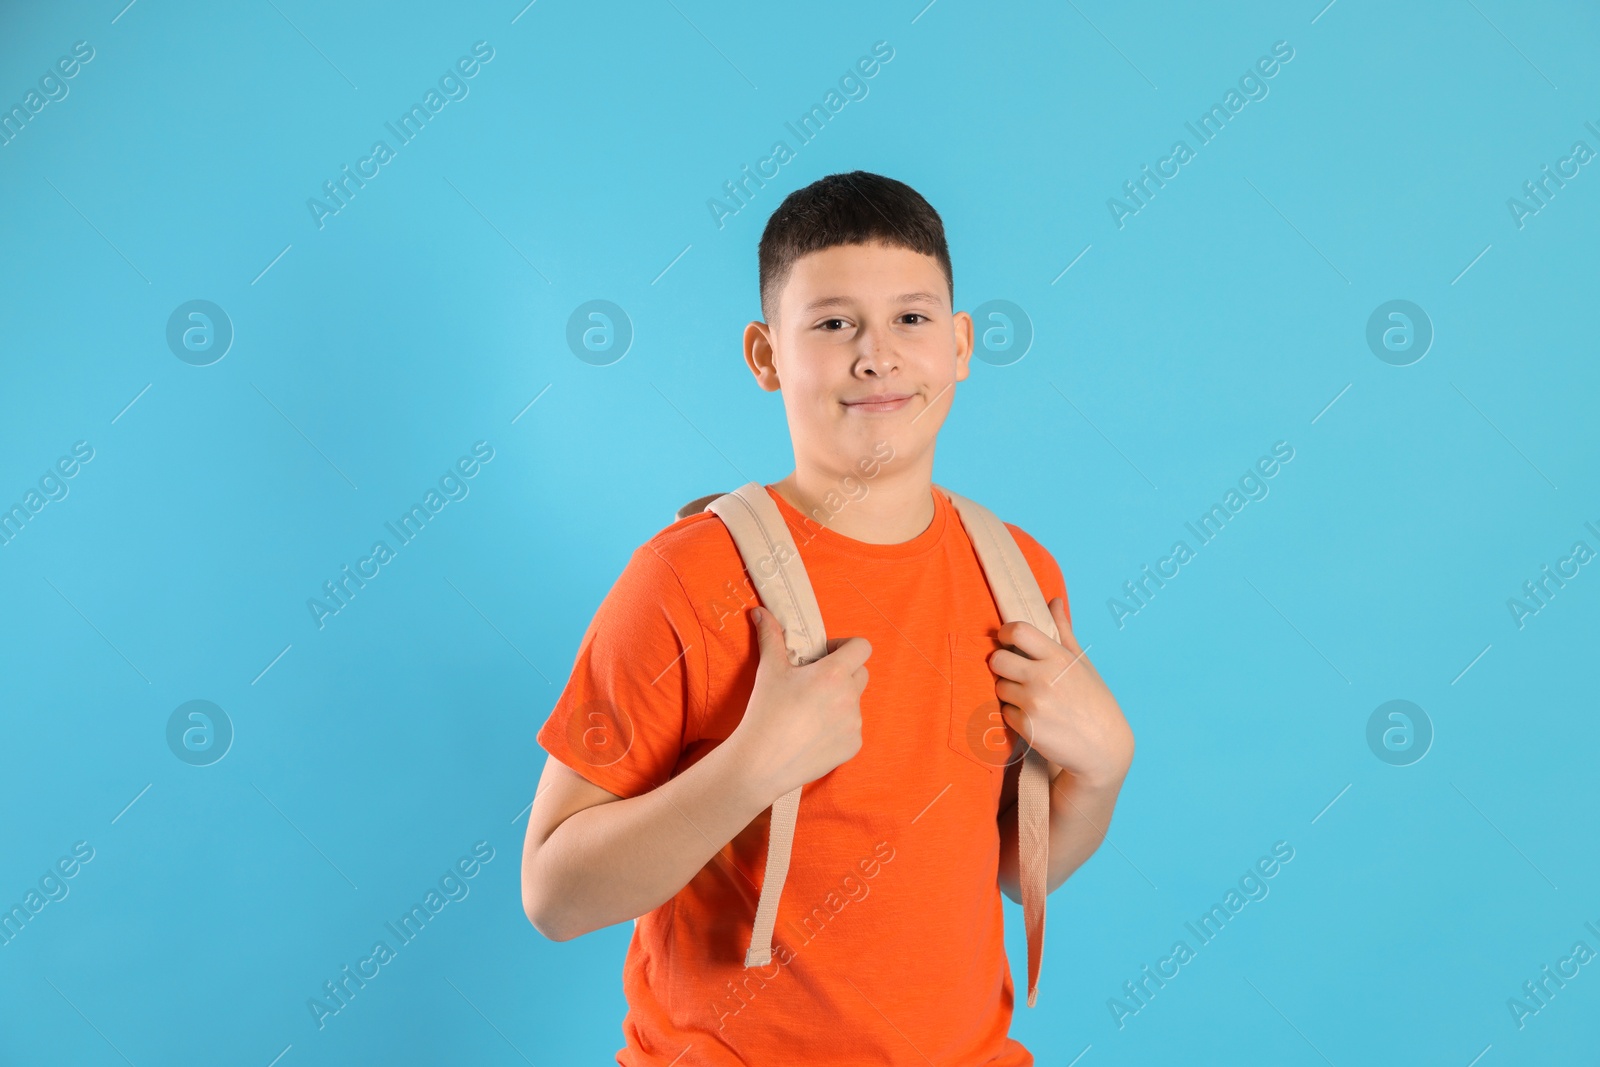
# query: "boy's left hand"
1055,699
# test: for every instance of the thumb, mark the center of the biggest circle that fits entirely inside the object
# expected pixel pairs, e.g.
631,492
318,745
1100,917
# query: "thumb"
1018,720
769,634
1065,637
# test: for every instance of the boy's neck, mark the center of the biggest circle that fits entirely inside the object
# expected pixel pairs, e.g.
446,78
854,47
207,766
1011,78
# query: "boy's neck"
896,506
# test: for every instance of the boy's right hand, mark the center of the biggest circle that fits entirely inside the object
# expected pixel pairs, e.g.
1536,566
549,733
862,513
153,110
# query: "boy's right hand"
802,722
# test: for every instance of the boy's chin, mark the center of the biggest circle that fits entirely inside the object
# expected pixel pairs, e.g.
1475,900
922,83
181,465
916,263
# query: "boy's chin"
871,447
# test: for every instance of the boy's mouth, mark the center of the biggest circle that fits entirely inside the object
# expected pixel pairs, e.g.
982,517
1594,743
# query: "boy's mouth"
879,402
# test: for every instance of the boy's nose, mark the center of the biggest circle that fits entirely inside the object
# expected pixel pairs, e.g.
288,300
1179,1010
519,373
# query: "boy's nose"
875,358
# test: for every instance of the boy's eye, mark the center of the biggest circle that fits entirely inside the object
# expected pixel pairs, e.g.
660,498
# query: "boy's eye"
834,325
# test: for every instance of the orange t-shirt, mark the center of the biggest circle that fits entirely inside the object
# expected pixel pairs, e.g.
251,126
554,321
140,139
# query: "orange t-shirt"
889,944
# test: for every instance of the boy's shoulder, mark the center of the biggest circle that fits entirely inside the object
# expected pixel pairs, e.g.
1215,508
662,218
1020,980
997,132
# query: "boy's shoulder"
1031,546
697,549
1046,571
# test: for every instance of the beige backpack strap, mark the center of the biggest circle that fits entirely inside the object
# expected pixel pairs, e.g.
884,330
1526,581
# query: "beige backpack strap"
773,562
1017,595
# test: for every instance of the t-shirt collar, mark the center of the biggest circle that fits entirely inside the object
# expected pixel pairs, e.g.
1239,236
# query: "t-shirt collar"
810,535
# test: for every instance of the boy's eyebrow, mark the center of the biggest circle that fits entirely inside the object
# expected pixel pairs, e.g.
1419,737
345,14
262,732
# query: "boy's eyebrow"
836,301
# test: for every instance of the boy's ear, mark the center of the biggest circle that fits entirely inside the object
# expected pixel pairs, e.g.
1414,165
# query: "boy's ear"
760,357
962,322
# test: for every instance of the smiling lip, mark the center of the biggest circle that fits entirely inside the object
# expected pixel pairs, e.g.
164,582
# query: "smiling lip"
880,402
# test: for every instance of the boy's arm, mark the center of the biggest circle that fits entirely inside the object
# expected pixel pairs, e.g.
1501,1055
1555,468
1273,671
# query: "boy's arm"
1050,692
592,858
1080,815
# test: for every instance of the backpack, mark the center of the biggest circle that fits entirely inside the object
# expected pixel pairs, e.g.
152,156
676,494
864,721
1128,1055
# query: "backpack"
772,560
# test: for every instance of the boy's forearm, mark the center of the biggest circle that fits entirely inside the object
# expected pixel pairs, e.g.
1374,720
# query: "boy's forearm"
616,861
1080,816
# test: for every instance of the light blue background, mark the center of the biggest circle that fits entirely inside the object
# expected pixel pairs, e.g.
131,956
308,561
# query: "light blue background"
1227,315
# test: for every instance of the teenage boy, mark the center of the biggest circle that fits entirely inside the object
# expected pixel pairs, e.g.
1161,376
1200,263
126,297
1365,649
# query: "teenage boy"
682,722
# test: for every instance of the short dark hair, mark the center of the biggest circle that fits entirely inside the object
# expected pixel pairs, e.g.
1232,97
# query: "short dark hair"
848,209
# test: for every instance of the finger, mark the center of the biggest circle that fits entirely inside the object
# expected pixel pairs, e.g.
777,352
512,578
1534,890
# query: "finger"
1018,720
851,652
1058,612
1008,691
1028,639
769,634
1008,664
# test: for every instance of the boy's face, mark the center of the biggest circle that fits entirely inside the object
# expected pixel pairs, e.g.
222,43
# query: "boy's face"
857,322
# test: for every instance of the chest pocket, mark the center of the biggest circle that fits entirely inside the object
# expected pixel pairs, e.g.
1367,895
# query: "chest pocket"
978,732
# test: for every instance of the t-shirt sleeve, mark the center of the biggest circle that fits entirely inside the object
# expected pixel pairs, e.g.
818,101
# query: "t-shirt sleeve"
638,676
1046,571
